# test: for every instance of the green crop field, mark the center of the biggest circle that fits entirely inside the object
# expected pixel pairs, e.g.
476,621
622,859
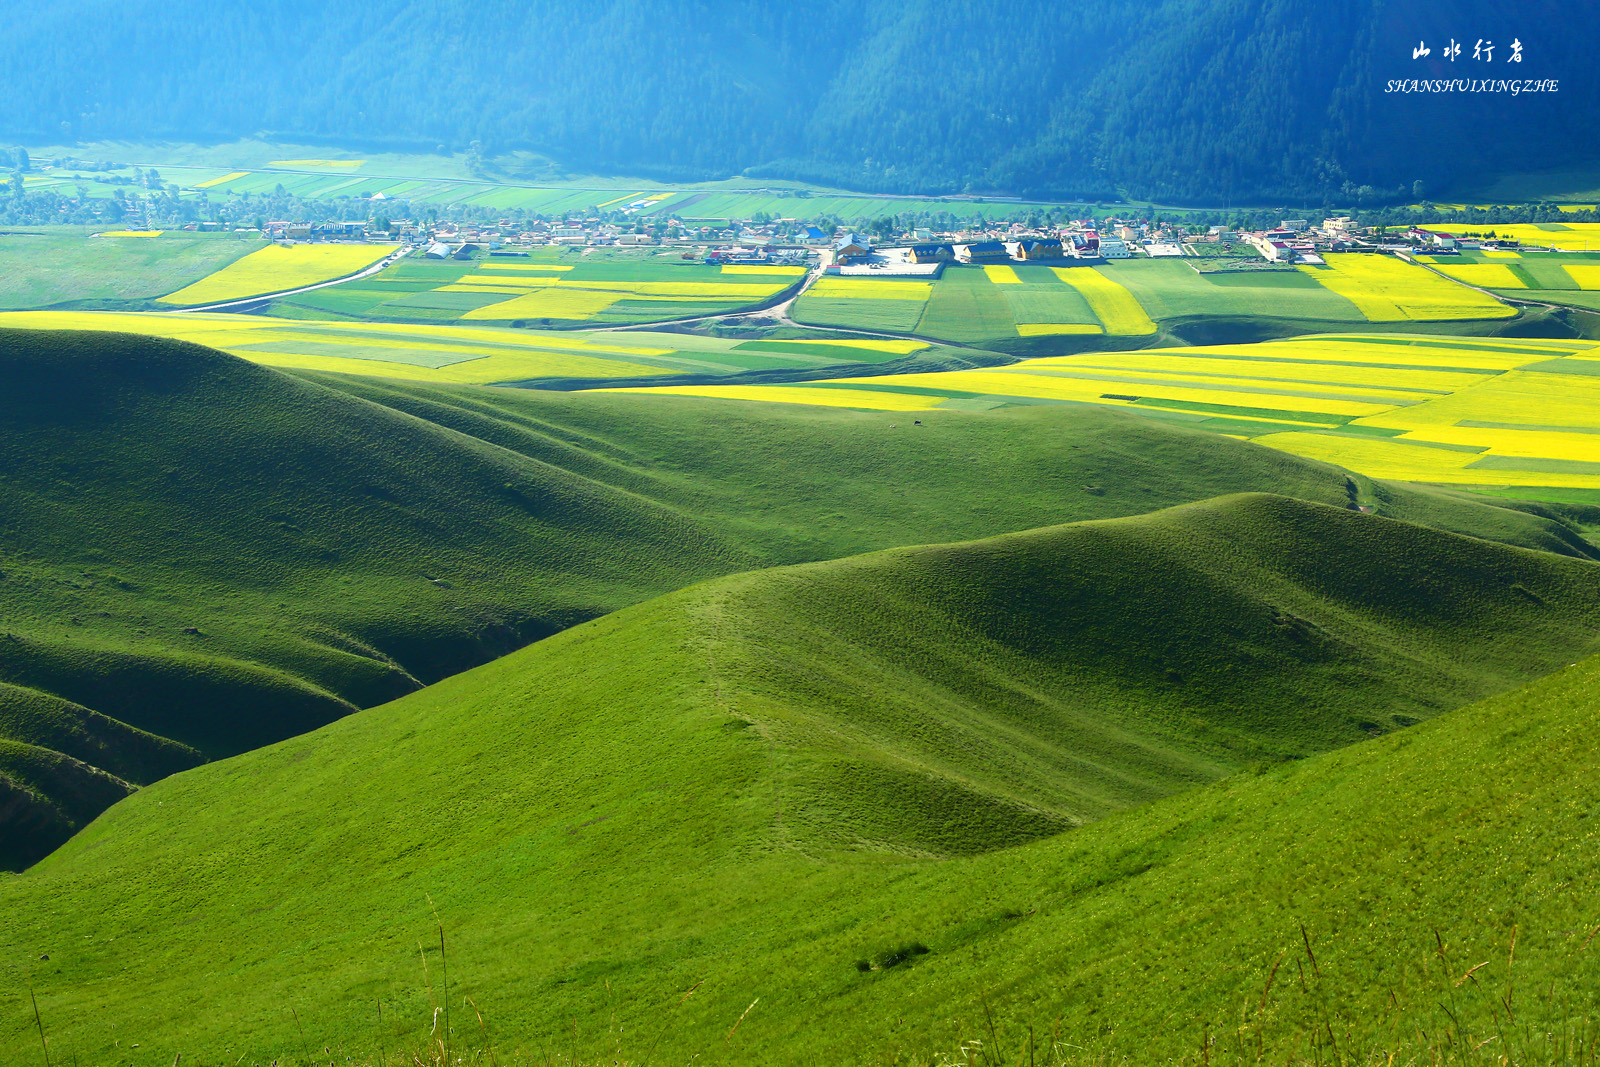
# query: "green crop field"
1170,289
751,821
549,286
57,266
1462,411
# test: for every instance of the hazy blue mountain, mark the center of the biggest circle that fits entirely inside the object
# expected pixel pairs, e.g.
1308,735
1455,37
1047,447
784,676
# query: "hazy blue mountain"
1185,100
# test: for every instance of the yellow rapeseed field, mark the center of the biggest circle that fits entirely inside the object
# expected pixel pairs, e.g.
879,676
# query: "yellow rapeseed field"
219,181
131,233
1399,460
1058,378
276,268
1462,410
1110,301
1484,275
549,303
1536,442
1585,275
870,289
1002,275
1386,289
1519,398
1497,253
1574,237
1213,365
1375,456
757,268
1420,351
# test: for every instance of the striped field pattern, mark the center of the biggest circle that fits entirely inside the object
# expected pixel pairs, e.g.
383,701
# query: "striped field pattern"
1462,411
1387,289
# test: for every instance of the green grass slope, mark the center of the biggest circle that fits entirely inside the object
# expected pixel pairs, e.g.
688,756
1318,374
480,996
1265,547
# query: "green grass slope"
207,555
812,483
746,787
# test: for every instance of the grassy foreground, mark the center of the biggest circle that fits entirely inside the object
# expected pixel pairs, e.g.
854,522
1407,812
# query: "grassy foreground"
199,555
787,798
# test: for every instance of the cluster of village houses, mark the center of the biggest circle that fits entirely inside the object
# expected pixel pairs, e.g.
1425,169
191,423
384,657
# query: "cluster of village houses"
919,251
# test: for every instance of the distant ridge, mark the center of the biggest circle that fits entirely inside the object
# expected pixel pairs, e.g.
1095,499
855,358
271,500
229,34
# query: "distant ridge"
1191,101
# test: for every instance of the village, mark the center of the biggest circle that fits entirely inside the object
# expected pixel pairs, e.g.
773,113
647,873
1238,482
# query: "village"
916,252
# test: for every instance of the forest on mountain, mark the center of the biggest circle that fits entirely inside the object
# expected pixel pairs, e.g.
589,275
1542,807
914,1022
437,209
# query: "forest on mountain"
1183,101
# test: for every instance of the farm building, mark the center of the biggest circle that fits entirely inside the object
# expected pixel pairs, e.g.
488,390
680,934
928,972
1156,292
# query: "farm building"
851,248
438,250
931,253
465,251
1114,248
1039,248
983,252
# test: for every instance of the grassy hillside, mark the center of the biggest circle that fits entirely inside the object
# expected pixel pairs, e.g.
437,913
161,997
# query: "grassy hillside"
199,556
748,786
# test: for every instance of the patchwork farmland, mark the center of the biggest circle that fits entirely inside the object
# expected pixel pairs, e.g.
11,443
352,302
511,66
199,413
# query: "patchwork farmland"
478,355
1470,412
1570,279
548,287
998,305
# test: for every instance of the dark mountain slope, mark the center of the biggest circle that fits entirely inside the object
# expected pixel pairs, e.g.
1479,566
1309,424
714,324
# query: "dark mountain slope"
1203,100
752,783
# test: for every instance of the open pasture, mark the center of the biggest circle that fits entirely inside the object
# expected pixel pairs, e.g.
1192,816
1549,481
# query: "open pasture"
274,268
1472,412
54,267
1171,291
477,355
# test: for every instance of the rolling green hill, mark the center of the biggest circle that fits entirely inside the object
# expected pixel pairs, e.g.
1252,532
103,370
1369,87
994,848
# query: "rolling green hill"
199,555
746,787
